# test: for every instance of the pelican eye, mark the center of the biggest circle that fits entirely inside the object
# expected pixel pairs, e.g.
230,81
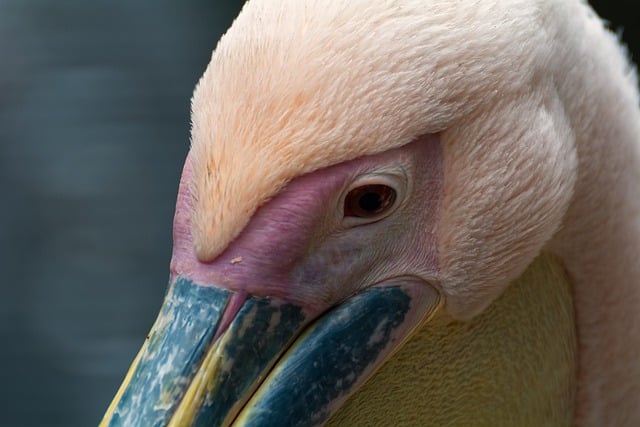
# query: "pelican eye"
369,201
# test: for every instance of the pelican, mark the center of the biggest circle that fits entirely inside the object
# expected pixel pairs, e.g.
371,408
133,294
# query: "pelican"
403,212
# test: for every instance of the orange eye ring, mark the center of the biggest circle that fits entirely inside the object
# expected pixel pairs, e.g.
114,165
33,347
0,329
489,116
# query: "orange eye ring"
369,201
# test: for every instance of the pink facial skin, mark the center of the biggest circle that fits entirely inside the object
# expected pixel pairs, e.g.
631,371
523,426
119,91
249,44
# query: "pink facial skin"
300,248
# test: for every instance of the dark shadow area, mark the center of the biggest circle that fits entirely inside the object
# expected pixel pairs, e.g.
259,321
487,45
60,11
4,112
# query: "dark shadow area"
94,128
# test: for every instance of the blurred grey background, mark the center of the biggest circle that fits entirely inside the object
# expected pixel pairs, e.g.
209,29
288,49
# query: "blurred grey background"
94,127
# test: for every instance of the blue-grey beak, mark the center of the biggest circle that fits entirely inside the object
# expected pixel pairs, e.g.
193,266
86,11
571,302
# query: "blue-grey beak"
219,358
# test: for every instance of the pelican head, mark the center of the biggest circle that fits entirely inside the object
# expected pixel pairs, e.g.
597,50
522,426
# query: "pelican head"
403,213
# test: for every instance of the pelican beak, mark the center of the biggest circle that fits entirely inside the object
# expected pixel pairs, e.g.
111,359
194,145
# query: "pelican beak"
217,357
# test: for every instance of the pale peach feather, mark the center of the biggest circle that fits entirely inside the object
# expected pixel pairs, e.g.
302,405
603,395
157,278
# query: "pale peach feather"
537,109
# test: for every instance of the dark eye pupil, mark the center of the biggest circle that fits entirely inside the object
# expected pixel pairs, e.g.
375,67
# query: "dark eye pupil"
369,200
